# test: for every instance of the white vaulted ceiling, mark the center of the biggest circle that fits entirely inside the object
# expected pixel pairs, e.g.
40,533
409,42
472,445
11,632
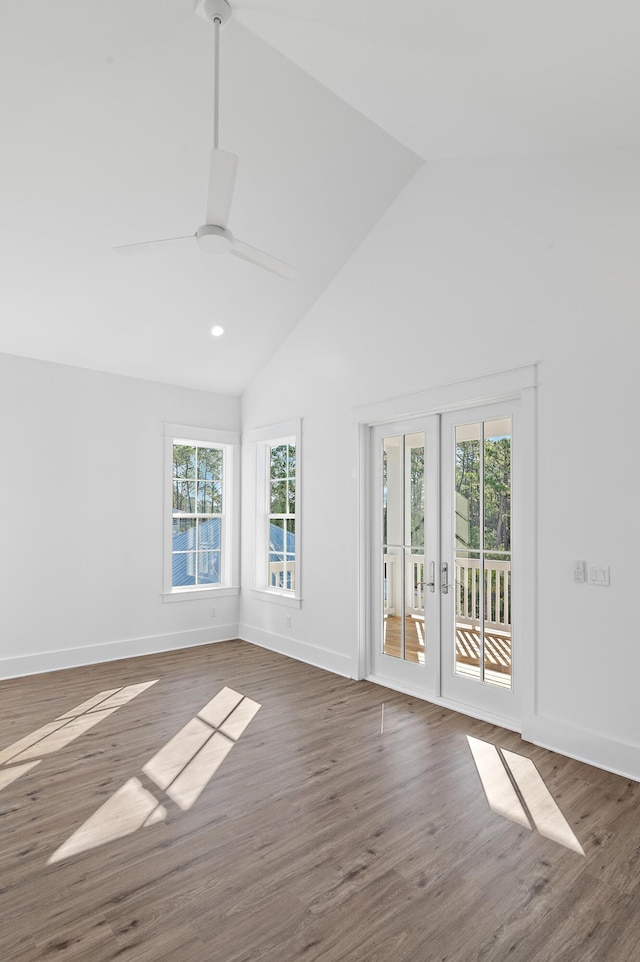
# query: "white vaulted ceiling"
106,121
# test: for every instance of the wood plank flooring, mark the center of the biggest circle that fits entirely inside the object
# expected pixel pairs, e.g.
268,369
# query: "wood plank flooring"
320,836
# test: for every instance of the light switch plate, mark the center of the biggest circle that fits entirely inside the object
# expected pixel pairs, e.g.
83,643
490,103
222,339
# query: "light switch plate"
580,571
599,575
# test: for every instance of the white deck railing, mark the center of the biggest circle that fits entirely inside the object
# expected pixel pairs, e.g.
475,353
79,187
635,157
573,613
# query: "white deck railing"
497,593
282,575
497,590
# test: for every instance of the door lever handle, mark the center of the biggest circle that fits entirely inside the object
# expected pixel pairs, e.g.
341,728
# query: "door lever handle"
431,584
444,578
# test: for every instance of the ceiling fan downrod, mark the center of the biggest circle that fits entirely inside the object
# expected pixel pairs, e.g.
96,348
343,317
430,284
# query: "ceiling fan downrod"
217,12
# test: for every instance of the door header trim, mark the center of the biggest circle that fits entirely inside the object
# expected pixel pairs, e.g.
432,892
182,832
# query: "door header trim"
447,397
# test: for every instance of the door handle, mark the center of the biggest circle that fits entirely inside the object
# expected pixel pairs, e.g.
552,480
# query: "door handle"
444,578
431,583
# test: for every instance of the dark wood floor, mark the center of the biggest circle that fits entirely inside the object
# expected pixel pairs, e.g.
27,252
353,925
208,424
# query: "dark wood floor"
318,838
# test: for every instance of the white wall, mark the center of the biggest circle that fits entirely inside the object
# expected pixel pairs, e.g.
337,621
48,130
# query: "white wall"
81,489
476,268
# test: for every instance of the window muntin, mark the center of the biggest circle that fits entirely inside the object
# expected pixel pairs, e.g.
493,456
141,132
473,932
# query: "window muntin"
281,515
198,500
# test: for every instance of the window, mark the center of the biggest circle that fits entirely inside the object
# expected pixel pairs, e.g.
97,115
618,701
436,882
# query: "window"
198,498
201,527
278,513
282,515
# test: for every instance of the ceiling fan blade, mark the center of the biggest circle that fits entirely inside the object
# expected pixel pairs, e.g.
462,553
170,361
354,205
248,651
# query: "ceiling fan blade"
149,246
222,179
269,263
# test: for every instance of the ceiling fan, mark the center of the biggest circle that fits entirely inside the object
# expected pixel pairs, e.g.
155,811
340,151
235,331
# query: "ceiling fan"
214,236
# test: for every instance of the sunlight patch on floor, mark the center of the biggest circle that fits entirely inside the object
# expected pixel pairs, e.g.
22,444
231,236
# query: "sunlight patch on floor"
181,770
65,729
515,789
129,809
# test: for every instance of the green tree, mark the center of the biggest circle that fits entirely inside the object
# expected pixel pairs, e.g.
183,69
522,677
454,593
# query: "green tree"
495,491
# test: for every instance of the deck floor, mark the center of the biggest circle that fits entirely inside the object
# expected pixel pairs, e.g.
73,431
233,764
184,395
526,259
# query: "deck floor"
497,648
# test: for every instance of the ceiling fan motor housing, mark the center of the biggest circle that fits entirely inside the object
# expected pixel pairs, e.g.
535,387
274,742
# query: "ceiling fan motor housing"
213,10
214,240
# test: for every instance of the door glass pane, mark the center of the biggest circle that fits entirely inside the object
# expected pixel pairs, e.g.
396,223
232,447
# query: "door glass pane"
497,485
497,545
414,474
483,576
468,612
392,631
468,498
392,490
414,578
403,535
497,620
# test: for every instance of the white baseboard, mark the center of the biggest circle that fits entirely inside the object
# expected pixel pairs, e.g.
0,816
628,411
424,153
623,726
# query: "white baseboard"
621,758
489,717
319,657
40,662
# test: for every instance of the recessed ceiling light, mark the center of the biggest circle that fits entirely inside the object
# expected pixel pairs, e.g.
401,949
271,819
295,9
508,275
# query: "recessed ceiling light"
217,331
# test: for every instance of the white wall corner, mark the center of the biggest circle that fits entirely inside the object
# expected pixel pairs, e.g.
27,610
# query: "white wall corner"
318,657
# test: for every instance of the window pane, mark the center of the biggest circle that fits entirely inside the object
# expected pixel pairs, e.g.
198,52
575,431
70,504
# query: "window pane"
281,505
276,537
184,569
468,485
209,497
277,565
210,464
497,485
276,570
209,533
278,497
184,534
208,567
290,537
184,461
278,467
290,577
184,497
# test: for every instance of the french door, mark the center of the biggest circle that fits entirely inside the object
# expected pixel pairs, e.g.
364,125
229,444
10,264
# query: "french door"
444,492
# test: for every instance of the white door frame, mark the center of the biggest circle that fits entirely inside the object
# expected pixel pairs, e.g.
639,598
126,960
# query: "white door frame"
516,383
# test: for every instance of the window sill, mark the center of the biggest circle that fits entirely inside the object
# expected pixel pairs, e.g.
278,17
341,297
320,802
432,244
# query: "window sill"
277,597
198,594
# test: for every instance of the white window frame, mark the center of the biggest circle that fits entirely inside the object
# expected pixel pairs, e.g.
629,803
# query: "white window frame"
229,441
263,439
